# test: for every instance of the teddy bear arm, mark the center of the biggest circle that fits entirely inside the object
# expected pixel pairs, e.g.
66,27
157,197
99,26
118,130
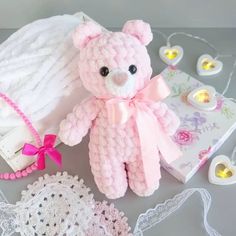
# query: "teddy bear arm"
78,122
167,118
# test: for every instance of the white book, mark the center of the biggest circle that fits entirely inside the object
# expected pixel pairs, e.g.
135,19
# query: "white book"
201,133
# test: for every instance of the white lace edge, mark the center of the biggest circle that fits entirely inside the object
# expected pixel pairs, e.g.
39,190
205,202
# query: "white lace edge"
155,215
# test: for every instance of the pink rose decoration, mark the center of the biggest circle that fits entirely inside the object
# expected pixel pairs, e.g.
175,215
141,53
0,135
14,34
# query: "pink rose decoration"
220,103
203,156
184,137
204,153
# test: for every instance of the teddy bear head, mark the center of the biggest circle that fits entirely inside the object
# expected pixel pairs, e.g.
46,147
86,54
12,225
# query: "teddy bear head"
114,64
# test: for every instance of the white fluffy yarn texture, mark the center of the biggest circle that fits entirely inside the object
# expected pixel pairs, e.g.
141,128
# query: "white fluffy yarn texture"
38,66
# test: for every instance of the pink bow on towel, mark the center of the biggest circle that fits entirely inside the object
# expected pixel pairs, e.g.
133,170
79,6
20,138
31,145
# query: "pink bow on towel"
47,148
152,137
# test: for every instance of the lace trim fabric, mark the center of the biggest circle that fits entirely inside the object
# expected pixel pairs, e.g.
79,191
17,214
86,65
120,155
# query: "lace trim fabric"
8,223
61,205
3,198
154,216
7,217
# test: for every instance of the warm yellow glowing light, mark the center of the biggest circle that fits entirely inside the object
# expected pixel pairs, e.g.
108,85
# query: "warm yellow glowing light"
223,172
171,53
202,96
208,65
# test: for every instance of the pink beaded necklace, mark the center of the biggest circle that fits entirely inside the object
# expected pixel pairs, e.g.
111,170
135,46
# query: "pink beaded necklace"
43,148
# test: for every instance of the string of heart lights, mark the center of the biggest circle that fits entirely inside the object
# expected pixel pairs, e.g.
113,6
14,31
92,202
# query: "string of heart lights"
201,98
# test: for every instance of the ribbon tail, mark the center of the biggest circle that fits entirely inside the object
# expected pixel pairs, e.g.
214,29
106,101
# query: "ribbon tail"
49,140
168,149
149,153
55,156
41,161
154,143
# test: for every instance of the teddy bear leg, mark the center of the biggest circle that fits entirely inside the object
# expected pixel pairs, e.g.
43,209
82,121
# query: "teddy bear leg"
136,178
110,176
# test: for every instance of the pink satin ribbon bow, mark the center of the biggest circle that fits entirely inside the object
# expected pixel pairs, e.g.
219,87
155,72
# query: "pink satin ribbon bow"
47,149
152,137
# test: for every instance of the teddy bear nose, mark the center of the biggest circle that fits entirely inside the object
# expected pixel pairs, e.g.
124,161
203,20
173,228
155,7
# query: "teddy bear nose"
120,78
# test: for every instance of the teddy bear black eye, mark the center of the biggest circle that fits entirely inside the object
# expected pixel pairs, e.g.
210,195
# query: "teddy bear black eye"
104,71
132,69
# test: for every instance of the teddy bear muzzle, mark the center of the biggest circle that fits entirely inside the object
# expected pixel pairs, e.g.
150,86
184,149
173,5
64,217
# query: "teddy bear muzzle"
120,78
120,83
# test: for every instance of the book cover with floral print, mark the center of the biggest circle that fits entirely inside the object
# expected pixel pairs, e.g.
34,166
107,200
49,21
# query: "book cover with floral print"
201,133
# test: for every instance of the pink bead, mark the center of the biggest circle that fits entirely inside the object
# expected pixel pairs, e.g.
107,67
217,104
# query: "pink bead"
34,167
28,170
35,134
24,173
12,176
18,174
6,176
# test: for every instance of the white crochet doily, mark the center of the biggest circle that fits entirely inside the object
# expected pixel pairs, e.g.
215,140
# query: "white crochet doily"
61,205
55,204
113,221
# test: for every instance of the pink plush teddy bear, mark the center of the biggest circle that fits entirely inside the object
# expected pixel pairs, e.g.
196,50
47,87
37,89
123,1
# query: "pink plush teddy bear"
129,125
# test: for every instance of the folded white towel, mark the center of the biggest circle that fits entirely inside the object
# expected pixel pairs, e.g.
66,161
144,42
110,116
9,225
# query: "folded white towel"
38,67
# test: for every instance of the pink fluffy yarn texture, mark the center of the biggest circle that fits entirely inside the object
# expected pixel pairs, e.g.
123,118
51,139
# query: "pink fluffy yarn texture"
145,35
114,150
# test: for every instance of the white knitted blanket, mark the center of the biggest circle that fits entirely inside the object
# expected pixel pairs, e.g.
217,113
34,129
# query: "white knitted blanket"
38,67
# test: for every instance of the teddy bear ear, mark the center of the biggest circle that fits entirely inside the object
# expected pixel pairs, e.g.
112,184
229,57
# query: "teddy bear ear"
140,30
86,32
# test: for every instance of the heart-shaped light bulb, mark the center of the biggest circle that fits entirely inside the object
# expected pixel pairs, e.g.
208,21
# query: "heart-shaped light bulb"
171,55
222,171
203,98
206,65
